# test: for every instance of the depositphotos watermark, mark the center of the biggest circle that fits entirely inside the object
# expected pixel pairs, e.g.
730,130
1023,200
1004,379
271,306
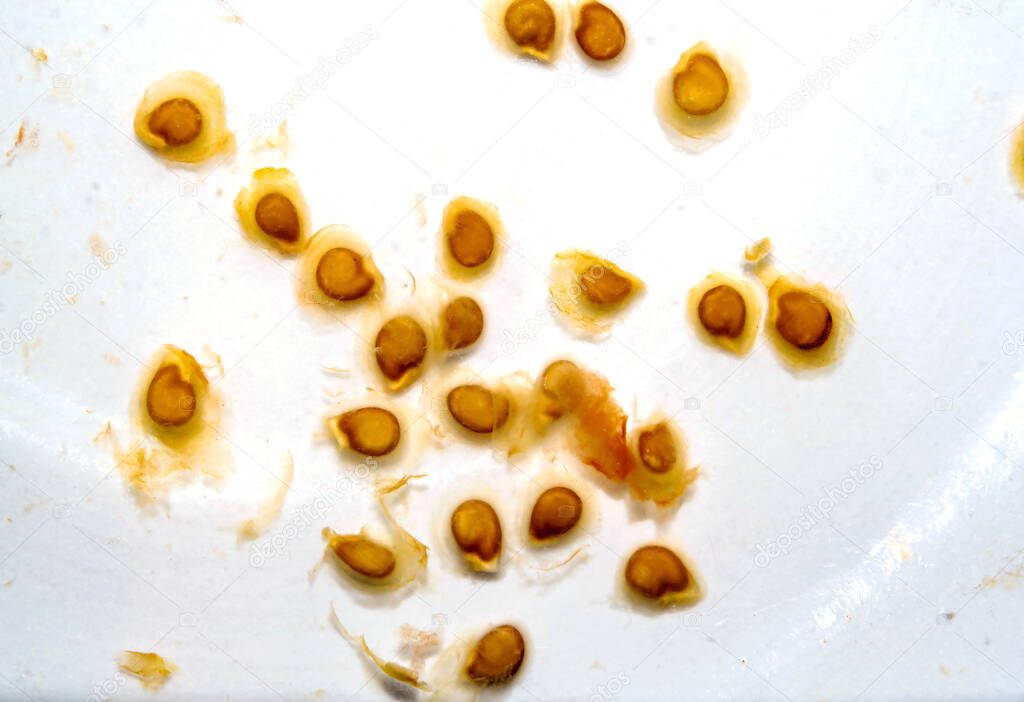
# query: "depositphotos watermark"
813,514
312,514
610,689
309,83
1013,344
816,82
59,298
107,689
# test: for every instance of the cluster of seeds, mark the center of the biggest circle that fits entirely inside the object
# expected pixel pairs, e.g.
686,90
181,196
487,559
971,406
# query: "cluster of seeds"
182,117
805,322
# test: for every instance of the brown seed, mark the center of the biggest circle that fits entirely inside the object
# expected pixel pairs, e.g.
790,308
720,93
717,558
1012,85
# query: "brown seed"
177,121
463,323
722,311
600,32
564,385
803,320
170,399
341,274
603,286
654,571
478,409
471,239
477,530
657,448
556,511
401,346
372,431
363,555
531,24
701,87
497,656
277,217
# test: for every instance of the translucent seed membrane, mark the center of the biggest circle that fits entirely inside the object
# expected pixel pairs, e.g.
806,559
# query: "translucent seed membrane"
270,509
273,211
382,561
151,669
497,656
655,574
599,31
758,251
476,530
400,349
471,235
596,421
661,473
370,431
591,291
530,27
556,512
726,312
396,671
338,271
807,323
478,408
702,95
182,117
462,323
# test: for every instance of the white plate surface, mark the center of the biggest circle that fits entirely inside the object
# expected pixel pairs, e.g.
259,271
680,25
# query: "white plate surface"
886,178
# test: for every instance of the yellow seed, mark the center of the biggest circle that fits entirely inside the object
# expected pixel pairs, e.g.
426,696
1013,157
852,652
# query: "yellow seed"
701,87
556,512
531,24
181,116
563,385
590,291
497,656
177,121
463,323
273,211
401,346
657,448
655,571
471,239
722,311
341,274
277,217
603,286
363,555
372,431
478,409
477,530
599,32
170,399
803,320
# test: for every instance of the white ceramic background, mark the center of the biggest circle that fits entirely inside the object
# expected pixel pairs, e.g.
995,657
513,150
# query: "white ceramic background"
891,184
